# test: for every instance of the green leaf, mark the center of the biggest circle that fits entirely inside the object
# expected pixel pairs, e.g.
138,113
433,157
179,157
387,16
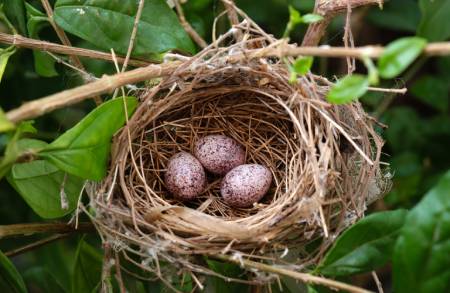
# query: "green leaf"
294,19
432,91
348,89
311,18
398,55
14,148
5,124
14,10
4,57
88,268
44,64
421,261
108,24
43,187
302,65
372,71
42,280
10,279
365,246
435,21
84,149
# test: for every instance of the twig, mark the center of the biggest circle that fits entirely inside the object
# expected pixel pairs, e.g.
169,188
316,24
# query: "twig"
81,72
133,34
389,98
232,16
373,51
329,9
36,228
103,85
23,42
119,273
401,91
35,244
377,282
303,277
65,40
107,84
432,49
187,26
61,34
106,270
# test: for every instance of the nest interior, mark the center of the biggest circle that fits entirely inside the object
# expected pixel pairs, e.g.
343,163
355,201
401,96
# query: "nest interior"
324,160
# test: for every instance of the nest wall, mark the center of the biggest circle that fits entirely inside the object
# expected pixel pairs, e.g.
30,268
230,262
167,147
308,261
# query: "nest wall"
324,160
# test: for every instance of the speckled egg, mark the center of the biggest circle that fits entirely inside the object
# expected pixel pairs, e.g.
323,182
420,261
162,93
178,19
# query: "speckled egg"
185,177
245,185
219,153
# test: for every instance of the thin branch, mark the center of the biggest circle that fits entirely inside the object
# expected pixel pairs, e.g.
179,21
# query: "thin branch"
103,85
432,49
232,14
35,244
284,50
377,282
107,84
37,228
119,273
106,269
303,277
329,9
23,42
65,40
401,91
133,34
187,26
61,34
389,98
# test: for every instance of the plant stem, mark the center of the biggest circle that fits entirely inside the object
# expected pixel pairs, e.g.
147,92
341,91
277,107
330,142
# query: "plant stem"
389,98
306,278
103,85
107,84
133,34
23,42
187,27
65,40
37,228
35,244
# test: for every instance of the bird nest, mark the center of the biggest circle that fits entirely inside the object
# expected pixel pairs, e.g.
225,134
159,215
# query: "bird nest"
324,161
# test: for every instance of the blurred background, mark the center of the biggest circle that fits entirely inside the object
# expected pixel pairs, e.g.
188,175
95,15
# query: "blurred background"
417,137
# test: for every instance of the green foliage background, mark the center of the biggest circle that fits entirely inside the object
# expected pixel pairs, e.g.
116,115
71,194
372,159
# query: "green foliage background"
409,245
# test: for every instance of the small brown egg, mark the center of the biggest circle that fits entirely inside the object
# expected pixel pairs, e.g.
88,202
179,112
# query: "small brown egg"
185,177
219,153
245,185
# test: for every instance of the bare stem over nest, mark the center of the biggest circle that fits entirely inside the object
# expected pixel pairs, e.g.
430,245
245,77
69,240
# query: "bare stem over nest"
109,83
37,228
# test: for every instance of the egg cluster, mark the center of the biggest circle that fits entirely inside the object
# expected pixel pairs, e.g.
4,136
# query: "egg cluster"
242,185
